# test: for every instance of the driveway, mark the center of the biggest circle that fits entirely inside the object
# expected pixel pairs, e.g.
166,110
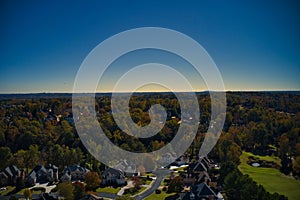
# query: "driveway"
160,174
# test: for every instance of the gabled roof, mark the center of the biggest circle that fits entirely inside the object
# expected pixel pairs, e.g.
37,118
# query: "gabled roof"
12,170
112,172
51,167
205,161
198,192
197,167
202,175
3,174
202,189
32,175
74,168
37,169
66,176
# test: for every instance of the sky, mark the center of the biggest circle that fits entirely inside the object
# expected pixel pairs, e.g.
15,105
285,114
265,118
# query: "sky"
255,44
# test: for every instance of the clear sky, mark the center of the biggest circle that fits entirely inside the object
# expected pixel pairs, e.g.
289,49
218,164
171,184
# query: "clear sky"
255,44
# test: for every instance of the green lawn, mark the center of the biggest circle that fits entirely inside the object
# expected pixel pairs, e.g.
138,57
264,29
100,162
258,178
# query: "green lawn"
181,168
161,196
8,190
148,182
271,179
109,190
139,191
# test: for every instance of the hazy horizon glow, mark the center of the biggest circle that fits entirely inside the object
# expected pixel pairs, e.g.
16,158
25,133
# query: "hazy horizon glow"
255,46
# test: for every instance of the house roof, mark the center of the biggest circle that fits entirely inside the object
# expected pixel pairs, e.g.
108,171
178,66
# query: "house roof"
52,167
36,170
197,167
112,172
3,174
198,192
32,175
66,176
74,168
12,170
205,161
202,189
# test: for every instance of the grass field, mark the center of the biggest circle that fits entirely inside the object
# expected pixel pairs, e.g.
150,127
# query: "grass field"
271,179
161,196
109,190
8,190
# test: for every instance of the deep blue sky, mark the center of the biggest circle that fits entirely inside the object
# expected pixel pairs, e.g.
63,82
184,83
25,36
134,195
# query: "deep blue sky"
255,44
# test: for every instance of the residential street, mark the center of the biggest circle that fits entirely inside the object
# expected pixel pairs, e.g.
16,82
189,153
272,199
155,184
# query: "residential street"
160,174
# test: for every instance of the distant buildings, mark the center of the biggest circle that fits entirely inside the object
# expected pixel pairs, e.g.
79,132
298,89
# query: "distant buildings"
199,181
41,174
113,177
74,173
199,191
10,175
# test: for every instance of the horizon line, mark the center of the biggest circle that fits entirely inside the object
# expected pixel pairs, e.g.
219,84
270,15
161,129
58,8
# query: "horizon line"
124,92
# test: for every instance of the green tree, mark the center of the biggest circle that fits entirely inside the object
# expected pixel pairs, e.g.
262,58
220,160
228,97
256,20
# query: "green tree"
296,166
20,183
66,190
284,150
5,157
176,184
31,157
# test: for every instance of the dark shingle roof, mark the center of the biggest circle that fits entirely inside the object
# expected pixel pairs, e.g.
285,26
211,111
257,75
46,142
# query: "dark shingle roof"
12,170
202,189
198,192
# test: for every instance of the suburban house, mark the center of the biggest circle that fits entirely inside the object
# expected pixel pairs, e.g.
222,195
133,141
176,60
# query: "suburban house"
206,162
112,177
200,191
52,172
197,167
197,172
74,173
42,174
10,174
194,178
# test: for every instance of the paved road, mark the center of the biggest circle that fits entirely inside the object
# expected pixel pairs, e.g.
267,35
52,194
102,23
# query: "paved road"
160,174
19,196
107,195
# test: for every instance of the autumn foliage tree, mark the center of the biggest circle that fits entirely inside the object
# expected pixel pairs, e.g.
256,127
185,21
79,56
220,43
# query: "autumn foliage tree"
92,180
137,182
79,190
